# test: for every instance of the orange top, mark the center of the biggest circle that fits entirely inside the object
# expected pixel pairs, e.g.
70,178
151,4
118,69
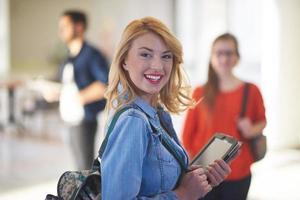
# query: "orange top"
200,125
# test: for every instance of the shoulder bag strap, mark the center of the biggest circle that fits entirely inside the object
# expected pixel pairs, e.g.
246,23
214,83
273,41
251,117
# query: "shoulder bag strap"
244,103
244,100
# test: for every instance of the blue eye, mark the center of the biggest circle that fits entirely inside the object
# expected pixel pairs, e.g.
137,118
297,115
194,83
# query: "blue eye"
167,56
145,55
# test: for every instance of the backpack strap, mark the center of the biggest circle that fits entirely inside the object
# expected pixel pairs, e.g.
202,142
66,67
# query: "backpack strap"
96,163
111,127
168,144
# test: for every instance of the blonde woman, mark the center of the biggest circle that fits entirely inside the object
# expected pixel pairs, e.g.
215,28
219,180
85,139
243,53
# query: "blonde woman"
146,74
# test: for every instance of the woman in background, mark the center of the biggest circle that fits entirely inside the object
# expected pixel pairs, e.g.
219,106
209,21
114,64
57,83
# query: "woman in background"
219,111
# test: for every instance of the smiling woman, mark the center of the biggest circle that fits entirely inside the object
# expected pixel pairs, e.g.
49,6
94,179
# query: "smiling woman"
149,64
143,158
151,44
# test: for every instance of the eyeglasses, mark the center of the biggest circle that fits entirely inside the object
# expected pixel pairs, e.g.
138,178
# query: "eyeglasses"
228,53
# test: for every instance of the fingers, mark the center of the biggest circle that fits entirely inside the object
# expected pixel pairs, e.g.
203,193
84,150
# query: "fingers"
193,167
194,184
214,177
200,174
206,189
217,172
204,185
202,177
197,169
224,166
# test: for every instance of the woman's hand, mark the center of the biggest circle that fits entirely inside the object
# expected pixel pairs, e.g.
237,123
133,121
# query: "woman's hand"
217,172
245,127
193,185
248,129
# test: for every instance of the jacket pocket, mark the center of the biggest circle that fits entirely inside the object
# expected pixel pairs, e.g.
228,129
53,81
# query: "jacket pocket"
170,169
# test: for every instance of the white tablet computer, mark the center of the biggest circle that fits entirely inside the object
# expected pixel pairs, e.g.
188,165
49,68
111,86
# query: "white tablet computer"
220,146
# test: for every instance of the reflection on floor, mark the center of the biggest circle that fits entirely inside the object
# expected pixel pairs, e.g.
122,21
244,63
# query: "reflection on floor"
26,162
277,177
30,168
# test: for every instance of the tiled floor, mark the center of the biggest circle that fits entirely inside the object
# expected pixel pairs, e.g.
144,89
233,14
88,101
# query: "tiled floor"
30,168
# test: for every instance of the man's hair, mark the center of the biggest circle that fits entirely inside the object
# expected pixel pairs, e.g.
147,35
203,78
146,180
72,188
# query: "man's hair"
77,17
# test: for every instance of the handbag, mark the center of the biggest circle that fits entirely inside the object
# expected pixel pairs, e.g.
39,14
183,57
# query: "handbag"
257,144
86,184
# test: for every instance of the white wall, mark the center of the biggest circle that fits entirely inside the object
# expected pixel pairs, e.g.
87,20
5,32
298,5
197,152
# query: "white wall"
114,15
289,71
280,71
4,38
199,22
34,40
270,68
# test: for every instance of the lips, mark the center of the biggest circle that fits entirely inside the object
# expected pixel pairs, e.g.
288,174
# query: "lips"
153,78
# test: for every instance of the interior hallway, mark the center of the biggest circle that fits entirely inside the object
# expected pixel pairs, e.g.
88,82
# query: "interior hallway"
269,33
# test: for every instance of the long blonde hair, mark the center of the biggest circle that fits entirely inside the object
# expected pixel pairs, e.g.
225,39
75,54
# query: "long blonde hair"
175,95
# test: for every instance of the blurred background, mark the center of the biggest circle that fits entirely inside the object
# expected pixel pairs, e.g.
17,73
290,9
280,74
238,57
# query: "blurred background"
34,146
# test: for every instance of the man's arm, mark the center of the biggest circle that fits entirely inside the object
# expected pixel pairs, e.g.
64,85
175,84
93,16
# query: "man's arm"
93,92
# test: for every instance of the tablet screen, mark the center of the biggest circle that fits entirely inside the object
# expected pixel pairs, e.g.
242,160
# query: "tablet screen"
215,150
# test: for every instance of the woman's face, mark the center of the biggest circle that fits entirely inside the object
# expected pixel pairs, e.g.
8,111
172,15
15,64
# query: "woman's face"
224,57
149,63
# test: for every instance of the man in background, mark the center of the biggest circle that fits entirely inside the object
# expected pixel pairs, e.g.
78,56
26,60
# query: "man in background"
89,72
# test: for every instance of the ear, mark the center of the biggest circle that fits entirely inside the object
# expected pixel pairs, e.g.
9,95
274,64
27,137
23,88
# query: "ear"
77,29
125,66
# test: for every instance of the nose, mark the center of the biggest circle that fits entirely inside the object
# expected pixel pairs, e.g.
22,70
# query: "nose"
223,58
157,63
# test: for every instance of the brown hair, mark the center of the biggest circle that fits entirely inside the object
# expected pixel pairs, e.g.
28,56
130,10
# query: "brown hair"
77,17
174,95
211,87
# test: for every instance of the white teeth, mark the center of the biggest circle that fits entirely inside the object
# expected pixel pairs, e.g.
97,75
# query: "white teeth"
153,77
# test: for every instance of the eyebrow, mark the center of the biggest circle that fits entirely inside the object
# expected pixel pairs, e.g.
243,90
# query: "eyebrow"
167,51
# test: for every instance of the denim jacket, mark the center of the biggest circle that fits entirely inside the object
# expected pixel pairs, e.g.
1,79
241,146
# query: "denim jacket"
135,164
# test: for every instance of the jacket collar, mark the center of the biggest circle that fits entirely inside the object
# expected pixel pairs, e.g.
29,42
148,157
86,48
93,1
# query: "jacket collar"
146,107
